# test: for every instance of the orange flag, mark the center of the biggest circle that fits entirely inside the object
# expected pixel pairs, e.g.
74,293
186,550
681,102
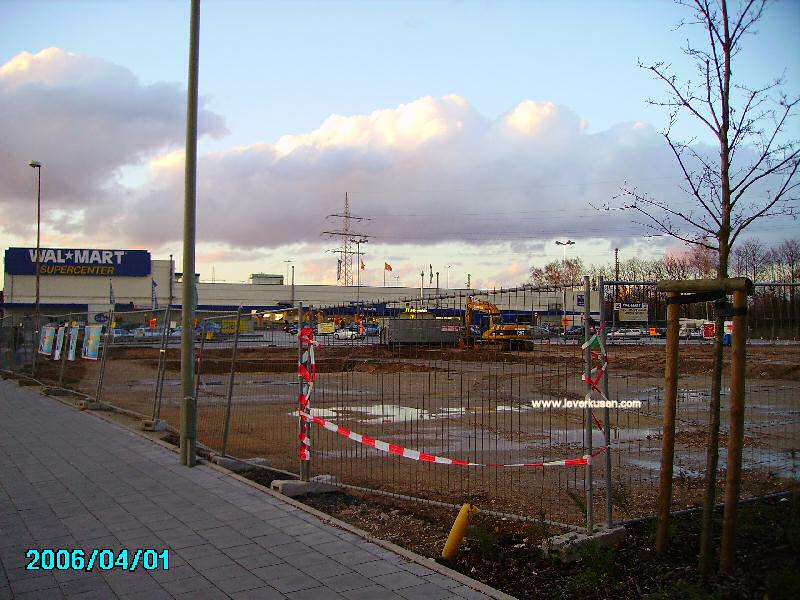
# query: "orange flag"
387,266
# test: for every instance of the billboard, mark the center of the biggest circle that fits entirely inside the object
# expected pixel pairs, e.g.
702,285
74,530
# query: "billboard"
78,262
631,311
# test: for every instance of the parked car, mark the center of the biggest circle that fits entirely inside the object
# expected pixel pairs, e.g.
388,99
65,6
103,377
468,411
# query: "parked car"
574,331
121,335
143,332
347,334
372,329
537,332
624,333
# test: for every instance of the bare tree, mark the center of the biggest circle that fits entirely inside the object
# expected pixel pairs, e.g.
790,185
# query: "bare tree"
558,272
754,176
751,259
787,258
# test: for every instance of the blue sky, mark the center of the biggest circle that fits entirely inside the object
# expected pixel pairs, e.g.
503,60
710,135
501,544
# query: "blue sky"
269,69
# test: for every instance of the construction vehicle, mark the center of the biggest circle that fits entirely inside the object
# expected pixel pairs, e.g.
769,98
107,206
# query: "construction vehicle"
491,329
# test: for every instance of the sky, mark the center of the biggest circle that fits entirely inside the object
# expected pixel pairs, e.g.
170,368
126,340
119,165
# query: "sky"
469,135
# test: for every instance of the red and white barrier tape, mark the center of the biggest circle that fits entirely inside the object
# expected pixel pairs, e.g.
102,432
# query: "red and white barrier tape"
307,370
432,458
598,370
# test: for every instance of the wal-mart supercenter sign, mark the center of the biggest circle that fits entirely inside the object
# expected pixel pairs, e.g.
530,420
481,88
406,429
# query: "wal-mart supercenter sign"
80,262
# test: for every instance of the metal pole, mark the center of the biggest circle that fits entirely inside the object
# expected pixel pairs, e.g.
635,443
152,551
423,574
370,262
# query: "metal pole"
668,439
64,344
104,357
616,290
200,360
188,402
162,366
606,411
38,168
171,278
231,381
292,286
587,358
727,557
305,465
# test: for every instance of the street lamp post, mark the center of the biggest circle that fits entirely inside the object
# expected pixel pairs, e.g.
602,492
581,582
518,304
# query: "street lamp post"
564,287
447,278
358,242
286,280
38,166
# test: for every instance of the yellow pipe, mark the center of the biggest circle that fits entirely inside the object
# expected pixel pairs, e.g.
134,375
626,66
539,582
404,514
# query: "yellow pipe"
458,531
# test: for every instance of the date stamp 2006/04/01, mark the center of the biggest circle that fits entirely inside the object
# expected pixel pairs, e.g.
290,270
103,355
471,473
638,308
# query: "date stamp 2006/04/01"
105,559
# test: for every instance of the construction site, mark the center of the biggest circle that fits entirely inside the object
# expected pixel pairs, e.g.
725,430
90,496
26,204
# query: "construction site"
471,388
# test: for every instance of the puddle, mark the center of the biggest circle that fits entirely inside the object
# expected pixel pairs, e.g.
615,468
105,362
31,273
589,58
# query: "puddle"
754,459
655,467
575,436
391,413
323,413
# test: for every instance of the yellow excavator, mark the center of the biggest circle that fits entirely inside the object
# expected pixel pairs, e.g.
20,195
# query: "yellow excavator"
508,335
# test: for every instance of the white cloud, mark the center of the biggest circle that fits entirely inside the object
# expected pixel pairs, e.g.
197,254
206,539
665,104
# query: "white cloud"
84,119
429,171
432,173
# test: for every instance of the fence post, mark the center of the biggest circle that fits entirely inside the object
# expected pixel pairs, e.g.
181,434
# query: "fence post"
230,384
668,439
736,431
64,345
103,358
162,366
587,356
606,409
305,465
199,364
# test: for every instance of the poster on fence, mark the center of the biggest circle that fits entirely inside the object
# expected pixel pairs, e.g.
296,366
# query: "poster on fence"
73,342
46,338
91,342
59,343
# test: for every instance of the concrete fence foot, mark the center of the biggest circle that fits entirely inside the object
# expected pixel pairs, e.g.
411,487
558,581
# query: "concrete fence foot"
150,425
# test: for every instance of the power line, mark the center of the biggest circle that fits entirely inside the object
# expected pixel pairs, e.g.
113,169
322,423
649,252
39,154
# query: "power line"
344,266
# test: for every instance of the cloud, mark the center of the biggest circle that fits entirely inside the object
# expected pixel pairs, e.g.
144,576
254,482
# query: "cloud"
430,174
84,119
429,171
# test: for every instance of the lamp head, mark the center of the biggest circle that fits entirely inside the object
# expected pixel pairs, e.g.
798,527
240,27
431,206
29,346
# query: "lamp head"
35,164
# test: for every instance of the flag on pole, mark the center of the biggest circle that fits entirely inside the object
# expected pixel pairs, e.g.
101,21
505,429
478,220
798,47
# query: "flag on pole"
363,264
430,281
111,298
153,297
387,266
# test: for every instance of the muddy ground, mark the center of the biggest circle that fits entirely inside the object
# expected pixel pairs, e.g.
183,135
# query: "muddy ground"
507,555
766,362
474,405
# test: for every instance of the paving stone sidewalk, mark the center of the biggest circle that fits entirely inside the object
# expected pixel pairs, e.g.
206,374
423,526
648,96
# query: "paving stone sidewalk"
71,480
